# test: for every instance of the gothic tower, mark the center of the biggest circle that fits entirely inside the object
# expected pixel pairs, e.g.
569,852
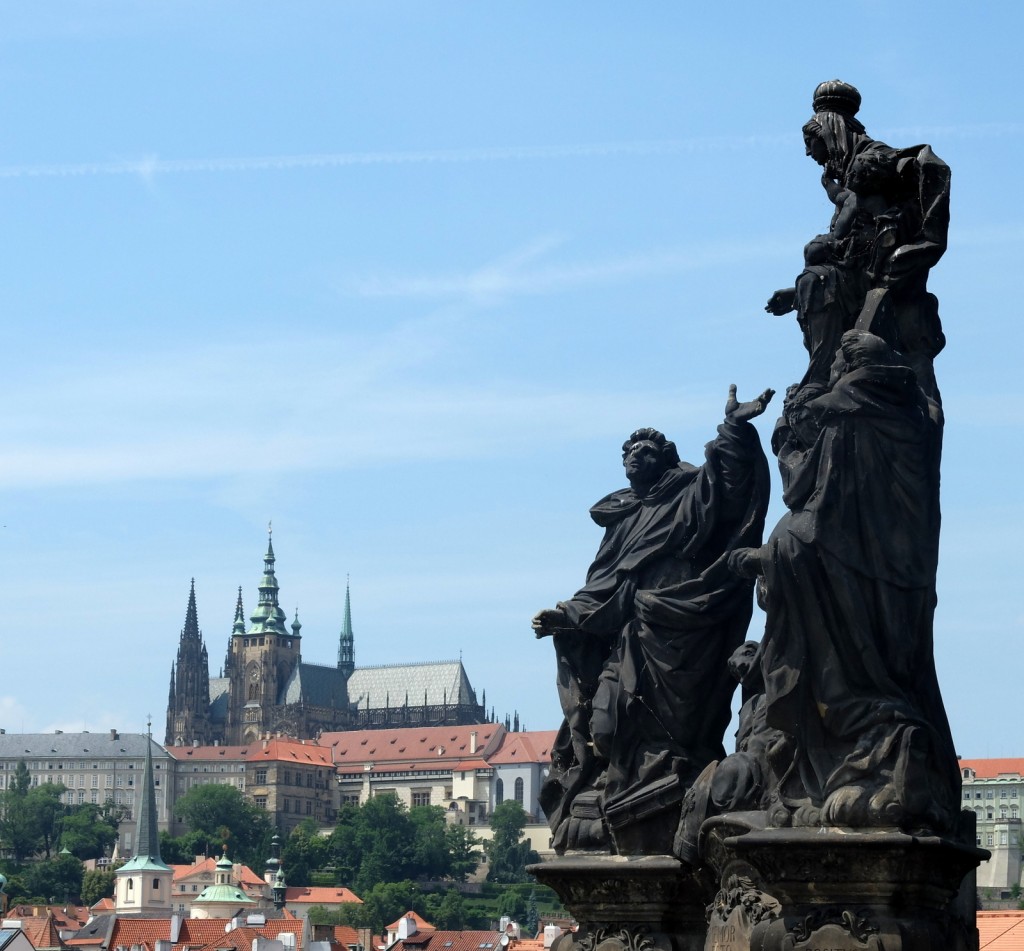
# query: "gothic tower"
346,645
188,703
261,661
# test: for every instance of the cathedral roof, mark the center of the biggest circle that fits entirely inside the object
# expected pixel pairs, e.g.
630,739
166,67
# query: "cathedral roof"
392,685
316,685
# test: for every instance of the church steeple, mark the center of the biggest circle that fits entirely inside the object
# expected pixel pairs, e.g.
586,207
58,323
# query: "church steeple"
143,883
346,644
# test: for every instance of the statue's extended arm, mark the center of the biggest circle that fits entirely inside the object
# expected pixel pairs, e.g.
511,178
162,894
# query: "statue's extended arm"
782,302
736,412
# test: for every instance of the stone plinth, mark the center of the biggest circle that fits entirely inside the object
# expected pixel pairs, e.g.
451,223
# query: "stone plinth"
836,890
628,903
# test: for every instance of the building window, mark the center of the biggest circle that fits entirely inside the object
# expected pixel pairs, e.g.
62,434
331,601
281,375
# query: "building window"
309,780
421,797
309,807
499,792
989,794
1002,838
967,794
988,839
261,777
287,806
519,790
989,814
1003,793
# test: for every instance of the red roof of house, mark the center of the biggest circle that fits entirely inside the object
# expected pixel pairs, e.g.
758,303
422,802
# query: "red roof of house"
452,941
993,768
446,744
246,876
42,932
209,753
421,923
1001,930
321,896
307,753
104,904
526,747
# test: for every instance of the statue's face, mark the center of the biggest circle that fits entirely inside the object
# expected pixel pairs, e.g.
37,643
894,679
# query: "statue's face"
742,660
643,463
815,148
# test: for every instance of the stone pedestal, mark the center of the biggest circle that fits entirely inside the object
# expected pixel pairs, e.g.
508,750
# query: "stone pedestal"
836,890
628,903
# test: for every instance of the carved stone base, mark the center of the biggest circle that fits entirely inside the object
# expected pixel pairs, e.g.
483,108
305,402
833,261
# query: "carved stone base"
628,903
836,889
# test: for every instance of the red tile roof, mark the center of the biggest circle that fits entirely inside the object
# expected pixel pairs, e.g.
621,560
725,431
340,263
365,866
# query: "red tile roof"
421,923
42,932
993,768
321,896
1001,930
245,875
446,744
129,930
451,941
209,753
526,747
290,751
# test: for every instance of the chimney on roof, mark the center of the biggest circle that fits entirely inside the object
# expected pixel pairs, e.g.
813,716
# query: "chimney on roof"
113,735
472,741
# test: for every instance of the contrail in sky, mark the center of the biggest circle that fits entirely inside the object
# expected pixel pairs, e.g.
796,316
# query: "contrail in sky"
150,166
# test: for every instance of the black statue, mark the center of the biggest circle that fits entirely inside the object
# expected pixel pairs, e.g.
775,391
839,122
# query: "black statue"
889,228
850,595
642,647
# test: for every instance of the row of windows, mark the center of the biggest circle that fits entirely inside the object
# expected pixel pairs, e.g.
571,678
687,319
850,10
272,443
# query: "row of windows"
990,794
287,806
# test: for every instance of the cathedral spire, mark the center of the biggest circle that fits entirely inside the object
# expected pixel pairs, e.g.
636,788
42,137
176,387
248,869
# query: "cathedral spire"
346,643
239,626
191,628
268,618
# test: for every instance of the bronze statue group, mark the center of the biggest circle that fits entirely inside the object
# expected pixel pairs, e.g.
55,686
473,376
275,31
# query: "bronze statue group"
842,722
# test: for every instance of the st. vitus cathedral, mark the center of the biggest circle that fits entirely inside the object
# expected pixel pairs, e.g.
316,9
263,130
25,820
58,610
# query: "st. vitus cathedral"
266,689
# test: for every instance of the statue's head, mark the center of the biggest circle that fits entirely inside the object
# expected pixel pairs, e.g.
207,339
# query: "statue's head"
743,659
872,172
858,348
646,456
829,135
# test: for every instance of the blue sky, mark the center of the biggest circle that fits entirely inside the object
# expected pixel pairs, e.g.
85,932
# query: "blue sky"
400,277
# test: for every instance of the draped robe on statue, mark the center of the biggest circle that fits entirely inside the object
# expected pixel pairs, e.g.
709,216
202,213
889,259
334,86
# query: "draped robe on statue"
850,572
642,674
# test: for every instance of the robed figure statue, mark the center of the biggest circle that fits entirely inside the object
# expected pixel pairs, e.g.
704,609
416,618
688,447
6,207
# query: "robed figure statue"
642,647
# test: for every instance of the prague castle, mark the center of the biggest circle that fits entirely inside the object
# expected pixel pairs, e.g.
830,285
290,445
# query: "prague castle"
267,689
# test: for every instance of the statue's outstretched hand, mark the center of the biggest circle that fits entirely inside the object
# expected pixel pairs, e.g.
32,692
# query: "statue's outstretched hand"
782,302
741,412
549,621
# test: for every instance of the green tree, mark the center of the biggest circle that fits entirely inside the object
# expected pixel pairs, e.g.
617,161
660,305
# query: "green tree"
513,905
464,849
508,852
383,903
450,912
88,832
384,833
532,915
54,880
222,816
430,857
96,884
19,832
47,810
304,852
